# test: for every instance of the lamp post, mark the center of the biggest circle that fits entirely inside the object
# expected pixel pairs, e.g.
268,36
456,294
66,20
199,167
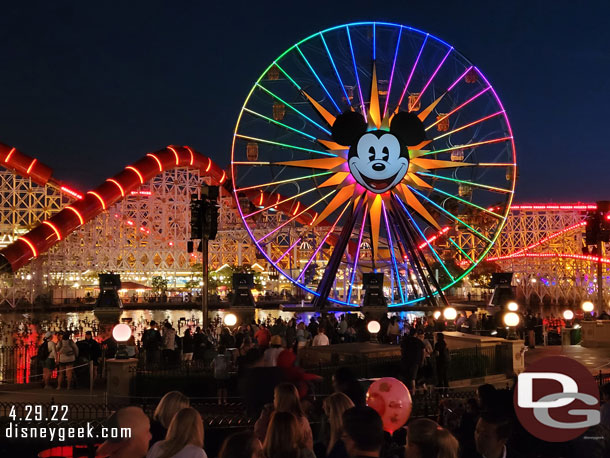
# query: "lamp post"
121,333
511,320
450,314
373,327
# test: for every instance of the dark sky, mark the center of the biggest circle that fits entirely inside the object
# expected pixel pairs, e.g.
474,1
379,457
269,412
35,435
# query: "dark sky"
88,87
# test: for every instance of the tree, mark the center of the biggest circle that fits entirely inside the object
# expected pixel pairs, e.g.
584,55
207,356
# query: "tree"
159,285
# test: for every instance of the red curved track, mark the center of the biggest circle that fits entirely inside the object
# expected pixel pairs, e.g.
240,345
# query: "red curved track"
85,208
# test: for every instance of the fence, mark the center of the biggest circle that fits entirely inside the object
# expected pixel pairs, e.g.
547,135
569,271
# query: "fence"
16,364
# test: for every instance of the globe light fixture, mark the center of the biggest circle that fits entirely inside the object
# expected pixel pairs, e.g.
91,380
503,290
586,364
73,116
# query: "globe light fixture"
512,306
373,327
121,333
568,315
511,319
230,319
436,314
450,313
587,306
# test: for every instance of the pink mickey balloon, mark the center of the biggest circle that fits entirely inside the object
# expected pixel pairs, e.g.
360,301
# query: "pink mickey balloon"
392,401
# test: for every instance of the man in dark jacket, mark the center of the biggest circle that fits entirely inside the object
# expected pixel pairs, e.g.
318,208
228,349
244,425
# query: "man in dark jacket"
152,341
412,357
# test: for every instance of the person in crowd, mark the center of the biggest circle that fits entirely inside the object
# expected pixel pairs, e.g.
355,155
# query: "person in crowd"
273,351
169,404
259,382
393,331
426,439
286,399
321,339
200,342
152,342
184,437
47,356
362,432
486,395
263,336
313,326
466,428
89,350
412,357
334,406
187,345
605,408
284,438
135,446
344,381
220,368
66,353
244,444
492,434
294,374
441,353
169,343
303,336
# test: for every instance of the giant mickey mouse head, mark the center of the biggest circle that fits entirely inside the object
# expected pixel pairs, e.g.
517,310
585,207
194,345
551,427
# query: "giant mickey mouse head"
378,159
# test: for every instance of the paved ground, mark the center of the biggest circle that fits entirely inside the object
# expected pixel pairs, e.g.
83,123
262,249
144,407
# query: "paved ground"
595,359
38,395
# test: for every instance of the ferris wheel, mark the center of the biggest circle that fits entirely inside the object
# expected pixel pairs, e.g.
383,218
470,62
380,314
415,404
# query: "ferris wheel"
382,149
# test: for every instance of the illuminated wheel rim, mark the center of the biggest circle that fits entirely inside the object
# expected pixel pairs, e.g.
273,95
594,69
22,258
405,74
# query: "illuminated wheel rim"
455,194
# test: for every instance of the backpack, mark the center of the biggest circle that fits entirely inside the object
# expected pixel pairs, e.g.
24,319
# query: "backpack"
43,351
66,349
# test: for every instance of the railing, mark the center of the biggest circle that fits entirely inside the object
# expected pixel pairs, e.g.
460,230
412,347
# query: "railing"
16,364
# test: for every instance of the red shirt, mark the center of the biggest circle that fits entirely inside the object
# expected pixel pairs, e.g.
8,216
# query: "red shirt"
263,336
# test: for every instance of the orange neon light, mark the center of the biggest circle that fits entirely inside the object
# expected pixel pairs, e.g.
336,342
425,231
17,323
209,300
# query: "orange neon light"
175,154
112,180
158,161
71,192
192,155
98,198
31,166
52,226
296,209
261,199
209,165
314,218
80,217
31,245
132,168
224,176
8,156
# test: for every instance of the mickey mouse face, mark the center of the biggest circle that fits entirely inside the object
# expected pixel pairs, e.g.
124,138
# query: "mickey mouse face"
378,160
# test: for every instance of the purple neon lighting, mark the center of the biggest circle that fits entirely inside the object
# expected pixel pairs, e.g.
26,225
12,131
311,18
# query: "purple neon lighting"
402,96
460,78
288,250
351,48
294,217
387,98
387,228
315,253
433,75
351,283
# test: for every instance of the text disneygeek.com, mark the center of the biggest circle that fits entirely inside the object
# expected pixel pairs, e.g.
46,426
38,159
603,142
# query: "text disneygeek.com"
63,433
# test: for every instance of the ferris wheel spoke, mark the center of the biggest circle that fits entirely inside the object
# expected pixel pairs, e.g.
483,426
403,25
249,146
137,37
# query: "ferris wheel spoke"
452,216
433,76
288,250
332,61
295,217
460,249
355,266
469,183
351,48
387,97
429,245
275,204
394,263
322,242
300,113
404,91
466,126
289,180
464,201
471,145
285,126
284,145
318,79
470,100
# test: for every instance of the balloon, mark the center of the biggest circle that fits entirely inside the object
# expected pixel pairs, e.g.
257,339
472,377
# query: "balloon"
392,401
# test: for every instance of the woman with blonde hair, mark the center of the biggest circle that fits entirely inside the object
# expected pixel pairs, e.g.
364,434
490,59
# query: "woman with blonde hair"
283,438
334,406
426,439
184,437
172,402
285,399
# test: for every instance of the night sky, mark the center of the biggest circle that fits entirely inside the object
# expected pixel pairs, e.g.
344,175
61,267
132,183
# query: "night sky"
88,87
